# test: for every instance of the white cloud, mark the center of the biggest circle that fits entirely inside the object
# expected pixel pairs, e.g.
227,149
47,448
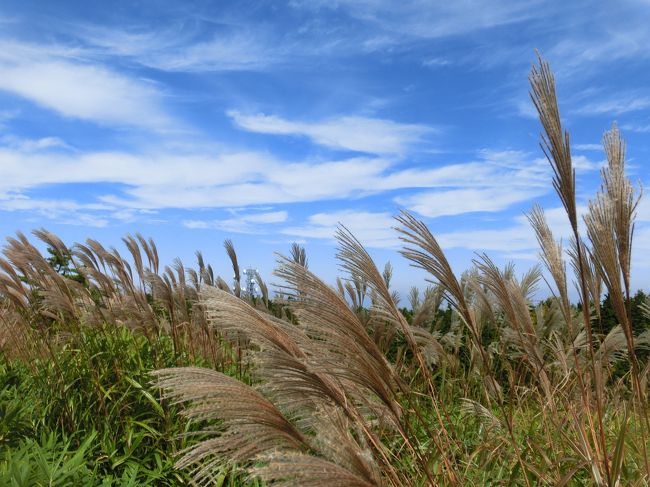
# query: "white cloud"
588,147
52,78
20,202
235,53
641,256
62,211
372,229
500,180
582,163
32,145
176,50
240,223
644,129
643,210
181,180
459,201
177,180
130,215
376,229
525,108
510,239
516,239
252,179
622,38
623,103
436,62
186,48
514,242
25,170
362,134
7,115
432,19
199,179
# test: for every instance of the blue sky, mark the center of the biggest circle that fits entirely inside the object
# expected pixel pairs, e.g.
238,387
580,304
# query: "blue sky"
270,122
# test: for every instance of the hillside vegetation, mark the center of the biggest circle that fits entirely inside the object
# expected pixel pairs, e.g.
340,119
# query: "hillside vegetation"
117,371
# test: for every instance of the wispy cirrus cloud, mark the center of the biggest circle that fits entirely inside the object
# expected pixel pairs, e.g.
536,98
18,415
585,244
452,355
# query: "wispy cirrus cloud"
176,49
374,229
197,178
512,237
155,180
460,201
430,19
354,133
640,128
622,35
22,144
55,78
500,180
517,240
63,211
588,147
240,222
509,178
622,103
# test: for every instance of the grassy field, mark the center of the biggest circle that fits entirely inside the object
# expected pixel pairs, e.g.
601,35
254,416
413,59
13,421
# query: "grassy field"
117,371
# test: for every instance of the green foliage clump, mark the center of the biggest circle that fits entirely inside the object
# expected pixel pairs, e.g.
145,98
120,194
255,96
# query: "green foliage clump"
88,416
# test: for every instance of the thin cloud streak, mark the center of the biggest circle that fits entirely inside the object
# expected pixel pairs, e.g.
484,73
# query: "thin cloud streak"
195,180
354,133
51,78
240,223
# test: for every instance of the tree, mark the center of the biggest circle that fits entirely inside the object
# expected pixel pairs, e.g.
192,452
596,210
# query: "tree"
62,263
639,322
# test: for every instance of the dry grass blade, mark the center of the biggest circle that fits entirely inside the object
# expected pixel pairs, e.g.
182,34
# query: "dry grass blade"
299,255
223,285
343,341
556,147
414,298
473,409
299,470
610,226
305,376
355,259
614,347
515,307
426,311
624,200
251,424
429,343
232,255
551,254
387,274
264,290
232,315
600,228
592,278
52,241
555,141
150,251
134,249
423,250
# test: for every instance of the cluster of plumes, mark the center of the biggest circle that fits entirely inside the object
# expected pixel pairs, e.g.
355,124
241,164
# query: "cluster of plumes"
331,359
328,394
341,388
604,257
89,285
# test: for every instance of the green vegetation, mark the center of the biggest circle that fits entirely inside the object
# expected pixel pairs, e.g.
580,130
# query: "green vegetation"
117,372
88,416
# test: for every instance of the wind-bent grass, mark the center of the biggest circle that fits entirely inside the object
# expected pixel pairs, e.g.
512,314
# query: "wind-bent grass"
336,385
